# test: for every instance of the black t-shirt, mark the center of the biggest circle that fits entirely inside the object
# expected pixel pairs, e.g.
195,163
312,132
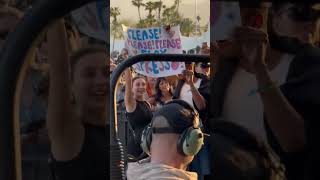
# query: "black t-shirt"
138,120
93,160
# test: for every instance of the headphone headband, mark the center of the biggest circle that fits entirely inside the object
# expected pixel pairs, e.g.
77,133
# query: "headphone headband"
165,130
185,105
182,121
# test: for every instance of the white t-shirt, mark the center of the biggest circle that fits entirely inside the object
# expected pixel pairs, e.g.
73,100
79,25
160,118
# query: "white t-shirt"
185,93
247,110
157,171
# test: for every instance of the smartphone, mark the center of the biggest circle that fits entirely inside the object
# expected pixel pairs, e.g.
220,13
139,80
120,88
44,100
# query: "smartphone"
255,16
190,67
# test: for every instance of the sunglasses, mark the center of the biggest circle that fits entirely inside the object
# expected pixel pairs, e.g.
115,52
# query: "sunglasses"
303,13
205,65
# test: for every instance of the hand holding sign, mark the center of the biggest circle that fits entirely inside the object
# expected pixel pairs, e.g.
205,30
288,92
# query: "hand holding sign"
170,32
158,40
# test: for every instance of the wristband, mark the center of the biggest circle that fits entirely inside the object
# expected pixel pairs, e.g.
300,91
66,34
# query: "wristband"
263,89
193,88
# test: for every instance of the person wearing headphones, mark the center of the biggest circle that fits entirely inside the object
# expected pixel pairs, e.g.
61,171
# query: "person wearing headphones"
171,140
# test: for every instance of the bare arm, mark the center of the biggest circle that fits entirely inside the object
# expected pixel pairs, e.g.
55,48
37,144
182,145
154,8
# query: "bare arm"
65,131
152,102
286,124
129,100
198,98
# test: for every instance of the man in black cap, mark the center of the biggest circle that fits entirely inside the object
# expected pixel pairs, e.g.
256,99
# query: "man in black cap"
203,69
171,140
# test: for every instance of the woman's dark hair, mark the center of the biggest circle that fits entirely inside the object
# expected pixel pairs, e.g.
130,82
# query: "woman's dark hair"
158,94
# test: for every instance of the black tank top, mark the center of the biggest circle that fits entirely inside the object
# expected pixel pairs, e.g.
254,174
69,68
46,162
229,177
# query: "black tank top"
93,160
138,119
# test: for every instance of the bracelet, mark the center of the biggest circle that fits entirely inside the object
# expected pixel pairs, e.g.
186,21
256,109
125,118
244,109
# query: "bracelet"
263,89
193,88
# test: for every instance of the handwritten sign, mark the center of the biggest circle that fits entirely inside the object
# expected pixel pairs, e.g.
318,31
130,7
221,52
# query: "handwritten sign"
91,20
155,40
225,17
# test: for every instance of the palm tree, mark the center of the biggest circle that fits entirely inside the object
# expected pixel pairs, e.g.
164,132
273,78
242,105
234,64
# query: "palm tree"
150,20
187,26
114,12
177,3
141,24
159,5
116,31
138,4
150,6
170,16
198,25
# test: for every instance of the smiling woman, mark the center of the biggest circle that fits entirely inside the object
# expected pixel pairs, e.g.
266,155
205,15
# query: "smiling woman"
138,111
77,128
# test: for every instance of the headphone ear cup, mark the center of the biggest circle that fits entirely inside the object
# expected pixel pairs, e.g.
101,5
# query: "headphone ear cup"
180,142
146,139
190,141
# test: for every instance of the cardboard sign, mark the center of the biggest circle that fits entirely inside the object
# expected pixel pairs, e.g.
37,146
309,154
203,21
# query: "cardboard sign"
225,17
155,40
91,20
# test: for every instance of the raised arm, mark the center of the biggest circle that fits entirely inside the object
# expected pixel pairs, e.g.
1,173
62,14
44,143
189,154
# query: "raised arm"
64,129
129,100
198,99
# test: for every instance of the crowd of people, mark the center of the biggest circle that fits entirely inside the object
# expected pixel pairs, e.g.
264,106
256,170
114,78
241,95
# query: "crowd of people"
266,82
262,112
142,96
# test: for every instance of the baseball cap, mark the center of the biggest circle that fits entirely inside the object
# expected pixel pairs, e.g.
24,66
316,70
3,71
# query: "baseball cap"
178,117
205,64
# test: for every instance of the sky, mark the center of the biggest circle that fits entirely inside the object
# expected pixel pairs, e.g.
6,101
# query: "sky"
187,9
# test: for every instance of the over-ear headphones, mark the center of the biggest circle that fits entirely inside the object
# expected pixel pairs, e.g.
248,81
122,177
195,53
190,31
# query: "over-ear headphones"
190,140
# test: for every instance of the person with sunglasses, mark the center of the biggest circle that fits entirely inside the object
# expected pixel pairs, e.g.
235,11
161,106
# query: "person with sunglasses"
266,81
297,20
